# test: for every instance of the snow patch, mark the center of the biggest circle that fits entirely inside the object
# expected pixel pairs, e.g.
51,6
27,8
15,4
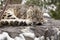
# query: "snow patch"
5,35
21,37
46,15
23,2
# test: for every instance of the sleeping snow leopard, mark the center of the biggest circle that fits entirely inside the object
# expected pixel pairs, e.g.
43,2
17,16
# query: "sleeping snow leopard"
35,14
31,13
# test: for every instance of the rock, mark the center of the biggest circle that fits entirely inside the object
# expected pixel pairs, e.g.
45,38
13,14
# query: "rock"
39,31
5,36
58,35
12,31
28,38
2,37
31,35
21,37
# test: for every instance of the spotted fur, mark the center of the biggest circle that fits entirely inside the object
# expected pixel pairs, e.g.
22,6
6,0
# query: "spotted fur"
34,14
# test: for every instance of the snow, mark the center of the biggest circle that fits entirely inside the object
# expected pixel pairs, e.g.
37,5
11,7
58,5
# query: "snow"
52,7
5,35
45,12
0,3
23,2
2,37
46,15
17,38
42,37
36,38
21,37
31,35
58,33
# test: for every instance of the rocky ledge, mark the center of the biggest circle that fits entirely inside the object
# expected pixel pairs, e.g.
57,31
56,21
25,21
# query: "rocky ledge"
49,30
